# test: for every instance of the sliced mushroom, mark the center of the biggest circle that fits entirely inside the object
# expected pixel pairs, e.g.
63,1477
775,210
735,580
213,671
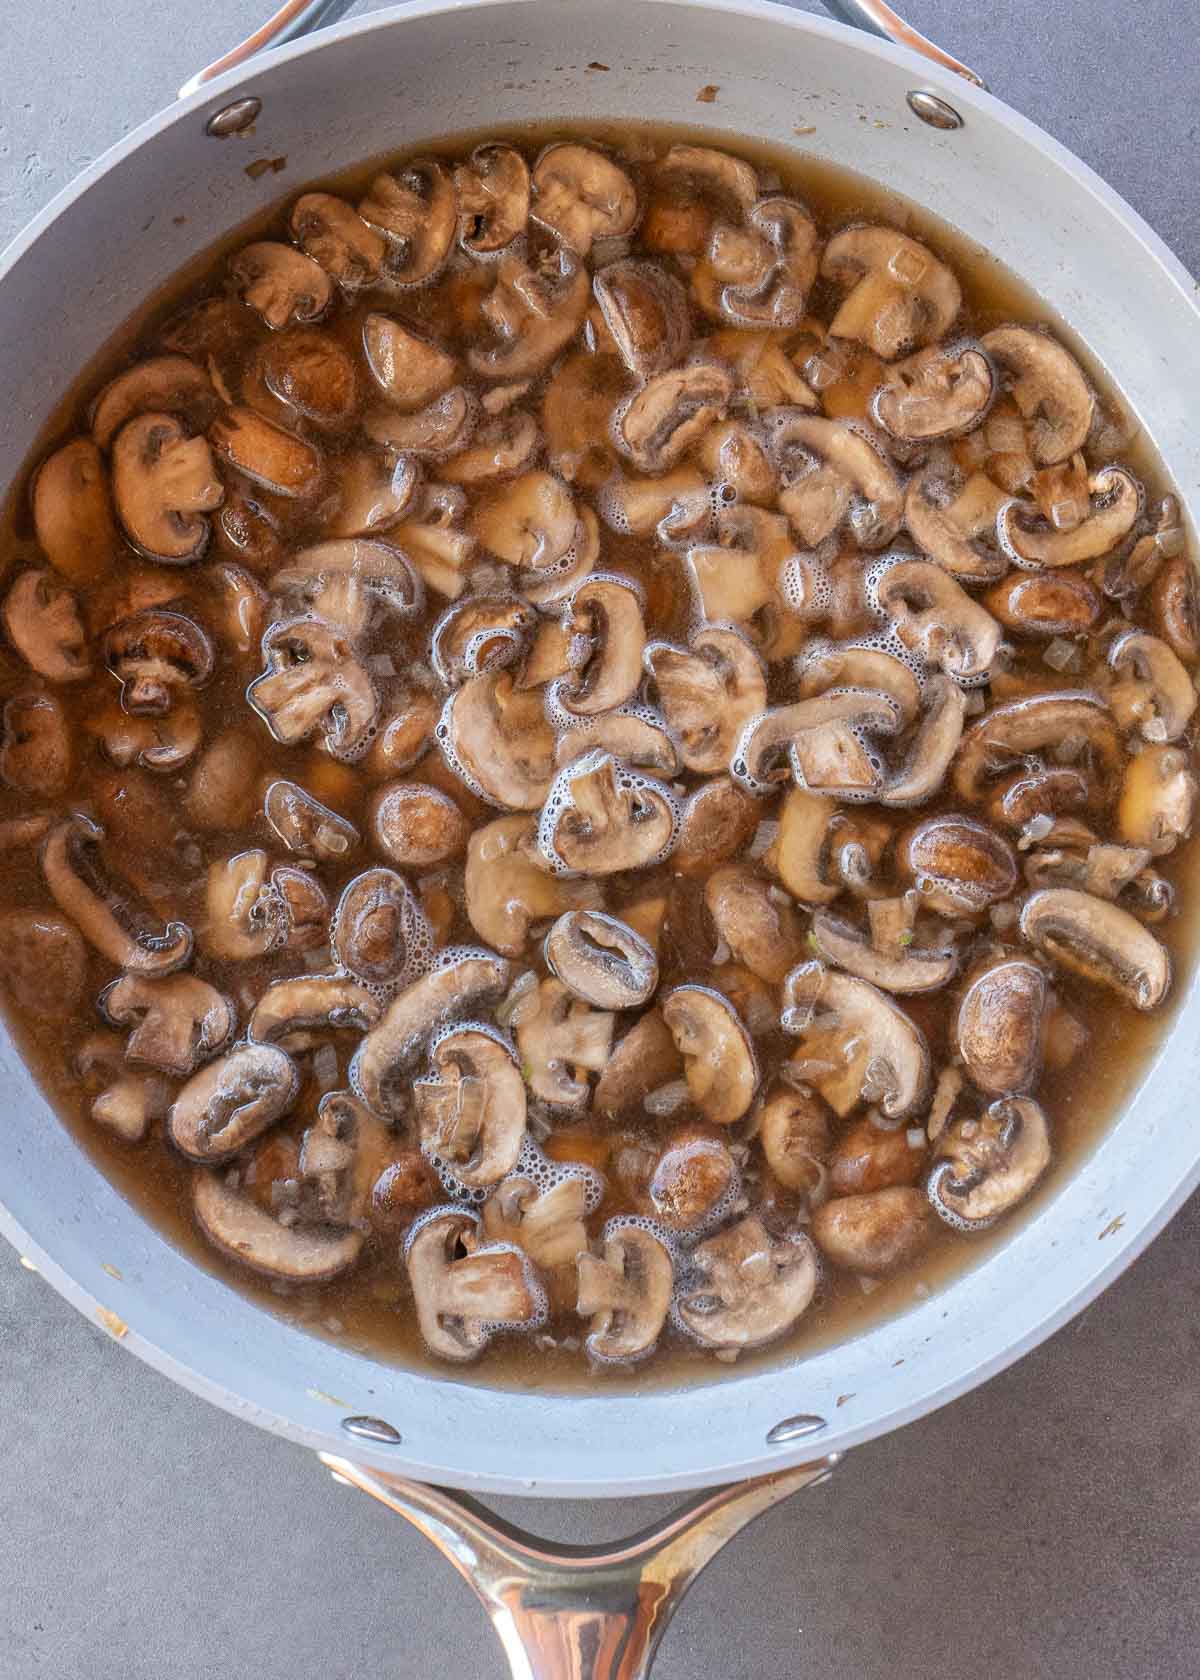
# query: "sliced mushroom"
604,622
532,522
1009,733
498,741
334,235
799,854
245,913
161,385
755,920
378,932
938,393
372,494
342,1158
466,1290
600,817
152,743
298,1012
441,428
280,284
176,1023
314,681
958,865
45,962
625,1292
826,741
833,471
1154,692
709,691
471,1109
1048,387
876,1233
717,823
231,1102
986,1166
953,521
100,910
1099,941
535,313
646,310
693,1182
1158,799
932,747
156,656
934,616
164,482
825,665
344,581
265,453
72,512
720,1066
901,297
582,196
304,825
1175,606
909,968
460,980
643,1060
409,368
775,294
240,1229
501,448
561,1042
417,209
676,507
493,191
1032,542
506,889
601,959
36,755
670,412
793,1128
636,734
1000,1025
856,1044
746,1288
1045,603
544,1220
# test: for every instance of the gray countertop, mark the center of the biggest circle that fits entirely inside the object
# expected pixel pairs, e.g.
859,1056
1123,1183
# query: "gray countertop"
1048,1524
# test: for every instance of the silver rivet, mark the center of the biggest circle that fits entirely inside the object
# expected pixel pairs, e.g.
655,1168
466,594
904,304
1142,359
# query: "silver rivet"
233,119
372,1429
795,1428
932,110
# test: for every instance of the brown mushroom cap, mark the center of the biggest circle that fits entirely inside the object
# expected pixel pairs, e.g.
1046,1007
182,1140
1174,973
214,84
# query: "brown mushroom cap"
416,208
901,297
958,864
100,909
243,1232
604,619
646,311
720,1065
582,196
73,513
1000,1023
175,1023
161,385
755,919
299,1011
625,1292
718,821
1099,941
441,428
793,1127
232,1101
41,616
600,818
471,1108
875,1233
643,1060
987,1165
601,959
749,1287
379,932
508,888
164,482
1008,733
280,284
498,741
415,825
1048,387
409,368
1045,603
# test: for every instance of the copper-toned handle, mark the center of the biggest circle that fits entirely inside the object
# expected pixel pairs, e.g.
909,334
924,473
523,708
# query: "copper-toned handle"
293,19
878,18
575,1612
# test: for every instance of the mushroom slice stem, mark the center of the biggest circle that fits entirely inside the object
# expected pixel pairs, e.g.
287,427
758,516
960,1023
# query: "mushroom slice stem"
177,1022
471,1108
745,1288
232,1101
466,1290
561,1042
626,1292
314,680
986,1166
70,850
1099,941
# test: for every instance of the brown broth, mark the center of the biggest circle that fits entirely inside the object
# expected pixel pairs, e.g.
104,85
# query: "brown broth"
360,1309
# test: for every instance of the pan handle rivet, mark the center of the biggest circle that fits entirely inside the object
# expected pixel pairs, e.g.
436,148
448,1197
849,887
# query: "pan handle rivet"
233,119
372,1429
796,1428
932,110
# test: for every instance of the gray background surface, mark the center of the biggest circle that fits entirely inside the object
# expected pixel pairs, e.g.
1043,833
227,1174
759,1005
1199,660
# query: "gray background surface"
1048,1524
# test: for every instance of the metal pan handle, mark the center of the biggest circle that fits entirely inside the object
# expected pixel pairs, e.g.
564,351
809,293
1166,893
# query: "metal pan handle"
576,1612
300,17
